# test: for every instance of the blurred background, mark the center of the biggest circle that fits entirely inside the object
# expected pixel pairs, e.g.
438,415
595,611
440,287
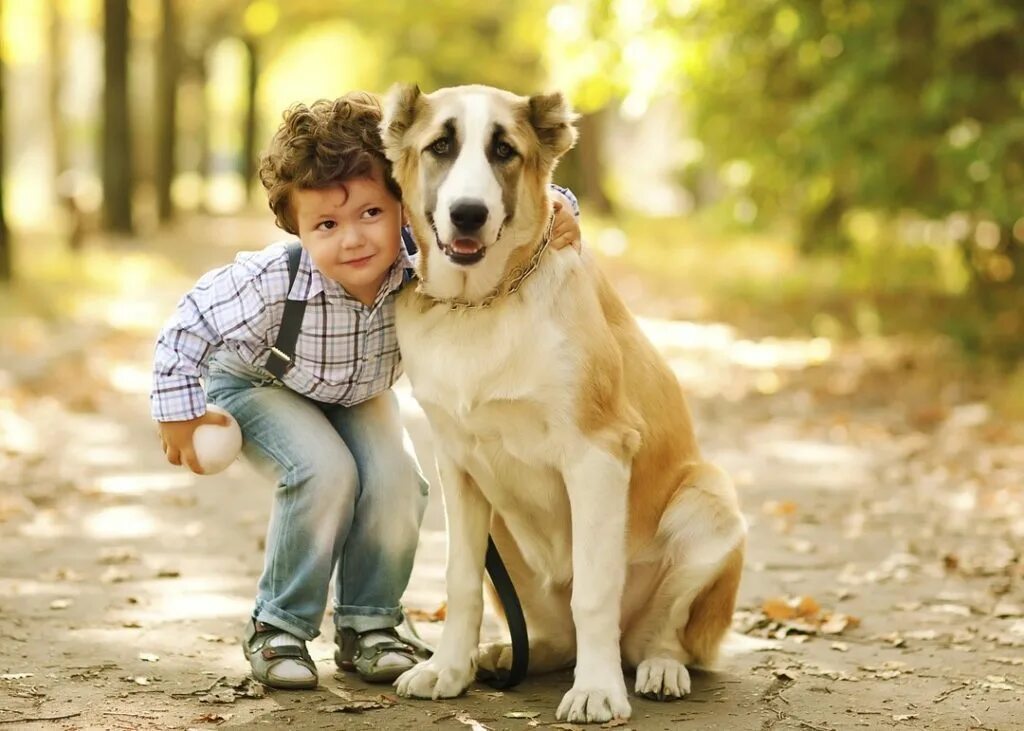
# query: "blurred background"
839,168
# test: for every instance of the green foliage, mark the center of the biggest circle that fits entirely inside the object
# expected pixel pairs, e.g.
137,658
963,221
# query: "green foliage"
840,104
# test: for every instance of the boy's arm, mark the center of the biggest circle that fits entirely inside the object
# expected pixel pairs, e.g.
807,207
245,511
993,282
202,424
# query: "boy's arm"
226,304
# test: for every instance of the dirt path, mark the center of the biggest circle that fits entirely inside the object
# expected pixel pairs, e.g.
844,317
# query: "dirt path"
882,589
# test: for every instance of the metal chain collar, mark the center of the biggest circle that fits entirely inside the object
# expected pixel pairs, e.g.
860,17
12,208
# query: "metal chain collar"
517,278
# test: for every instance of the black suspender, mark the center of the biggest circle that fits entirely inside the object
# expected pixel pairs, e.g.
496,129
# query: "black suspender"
291,321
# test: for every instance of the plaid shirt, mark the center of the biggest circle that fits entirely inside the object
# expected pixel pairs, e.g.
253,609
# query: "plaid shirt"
346,352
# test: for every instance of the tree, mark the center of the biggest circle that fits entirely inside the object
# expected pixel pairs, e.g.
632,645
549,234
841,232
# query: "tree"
168,73
116,141
894,106
6,269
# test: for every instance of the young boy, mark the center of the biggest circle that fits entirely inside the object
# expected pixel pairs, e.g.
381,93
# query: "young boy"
349,496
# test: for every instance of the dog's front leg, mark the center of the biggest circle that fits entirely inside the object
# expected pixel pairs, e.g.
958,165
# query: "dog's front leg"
453,667
598,487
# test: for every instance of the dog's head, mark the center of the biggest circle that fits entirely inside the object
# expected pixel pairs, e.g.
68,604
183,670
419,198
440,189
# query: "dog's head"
473,163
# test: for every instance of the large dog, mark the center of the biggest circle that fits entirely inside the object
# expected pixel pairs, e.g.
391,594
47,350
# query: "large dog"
557,426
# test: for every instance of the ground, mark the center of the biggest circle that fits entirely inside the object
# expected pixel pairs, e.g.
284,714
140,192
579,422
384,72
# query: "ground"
882,586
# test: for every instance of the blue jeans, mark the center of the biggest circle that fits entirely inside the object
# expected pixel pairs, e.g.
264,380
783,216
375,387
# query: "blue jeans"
348,503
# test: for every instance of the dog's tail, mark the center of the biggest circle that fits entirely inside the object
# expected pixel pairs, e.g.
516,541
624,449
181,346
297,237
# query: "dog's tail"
711,612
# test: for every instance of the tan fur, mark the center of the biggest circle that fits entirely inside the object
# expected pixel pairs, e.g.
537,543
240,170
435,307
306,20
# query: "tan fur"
613,392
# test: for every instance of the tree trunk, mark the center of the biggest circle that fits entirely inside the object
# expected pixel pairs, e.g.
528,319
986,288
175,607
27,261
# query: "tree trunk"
56,73
6,269
168,72
116,152
592,161
249,140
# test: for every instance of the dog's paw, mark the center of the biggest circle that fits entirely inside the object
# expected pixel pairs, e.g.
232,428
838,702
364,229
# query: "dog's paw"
433,680
594,705
495,657
662,679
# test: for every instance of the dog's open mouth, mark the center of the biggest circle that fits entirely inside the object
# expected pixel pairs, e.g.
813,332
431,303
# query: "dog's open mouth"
463,251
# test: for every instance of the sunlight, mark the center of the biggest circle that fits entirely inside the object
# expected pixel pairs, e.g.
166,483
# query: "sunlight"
120,522
138,483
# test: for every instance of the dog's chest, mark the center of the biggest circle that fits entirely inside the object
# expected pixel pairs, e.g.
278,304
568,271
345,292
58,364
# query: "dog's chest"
498,375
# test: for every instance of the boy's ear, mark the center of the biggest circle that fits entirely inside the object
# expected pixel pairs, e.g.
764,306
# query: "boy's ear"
554,123
400,107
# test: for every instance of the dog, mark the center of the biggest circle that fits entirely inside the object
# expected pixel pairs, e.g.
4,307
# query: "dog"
558,427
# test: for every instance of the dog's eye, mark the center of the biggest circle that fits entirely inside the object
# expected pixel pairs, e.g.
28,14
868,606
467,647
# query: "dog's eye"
440,147
504,150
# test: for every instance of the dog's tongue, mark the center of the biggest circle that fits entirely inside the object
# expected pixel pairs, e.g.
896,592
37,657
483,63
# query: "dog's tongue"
466,246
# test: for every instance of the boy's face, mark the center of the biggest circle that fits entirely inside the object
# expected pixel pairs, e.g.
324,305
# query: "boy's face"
352,231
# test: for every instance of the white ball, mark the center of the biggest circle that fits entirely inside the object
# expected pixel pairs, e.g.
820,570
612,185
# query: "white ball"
216,446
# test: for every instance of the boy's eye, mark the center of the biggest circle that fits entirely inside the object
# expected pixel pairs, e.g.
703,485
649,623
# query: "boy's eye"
504,150
440,146
372,212
326,225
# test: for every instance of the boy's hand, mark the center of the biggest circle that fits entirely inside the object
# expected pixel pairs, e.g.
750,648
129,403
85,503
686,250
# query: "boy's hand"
176,437
566,229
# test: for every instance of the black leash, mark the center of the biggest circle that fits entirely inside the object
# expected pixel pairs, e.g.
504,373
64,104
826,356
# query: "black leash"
277,363
516,623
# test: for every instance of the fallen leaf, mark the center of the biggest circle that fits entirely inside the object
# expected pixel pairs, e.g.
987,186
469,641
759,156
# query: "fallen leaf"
615,723
148,657
214,718
60,604
118,555
840,646
438,615
780,508
466,720
15,676
141,680
131,624
168,573
903,717
522,714
837,622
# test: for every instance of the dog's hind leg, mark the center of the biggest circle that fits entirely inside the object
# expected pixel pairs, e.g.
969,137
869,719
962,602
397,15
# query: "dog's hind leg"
703,534
546,608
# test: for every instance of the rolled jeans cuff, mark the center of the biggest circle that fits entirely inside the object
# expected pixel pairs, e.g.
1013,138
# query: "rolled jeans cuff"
266,612
364,619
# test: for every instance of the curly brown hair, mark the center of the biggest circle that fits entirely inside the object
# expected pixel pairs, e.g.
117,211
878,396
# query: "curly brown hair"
322,144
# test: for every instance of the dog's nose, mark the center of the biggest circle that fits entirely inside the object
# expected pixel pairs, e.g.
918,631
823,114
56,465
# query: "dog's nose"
468,214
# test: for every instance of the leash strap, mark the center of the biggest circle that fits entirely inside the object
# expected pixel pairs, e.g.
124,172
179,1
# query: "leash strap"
516,622
291,321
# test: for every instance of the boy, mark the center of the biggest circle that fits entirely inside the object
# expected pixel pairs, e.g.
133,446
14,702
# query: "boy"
349,497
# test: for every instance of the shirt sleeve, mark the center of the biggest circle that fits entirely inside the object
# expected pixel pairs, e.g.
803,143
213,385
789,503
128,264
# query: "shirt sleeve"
572,199
226,305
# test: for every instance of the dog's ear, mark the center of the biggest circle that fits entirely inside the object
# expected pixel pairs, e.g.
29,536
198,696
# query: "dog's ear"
554,123
400,106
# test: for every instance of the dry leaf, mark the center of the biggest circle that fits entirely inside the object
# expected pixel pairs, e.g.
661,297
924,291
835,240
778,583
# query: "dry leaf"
15,676
148,657
60,604
465,719
840,646
438,615
215,718
615,723
522,714
904,717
